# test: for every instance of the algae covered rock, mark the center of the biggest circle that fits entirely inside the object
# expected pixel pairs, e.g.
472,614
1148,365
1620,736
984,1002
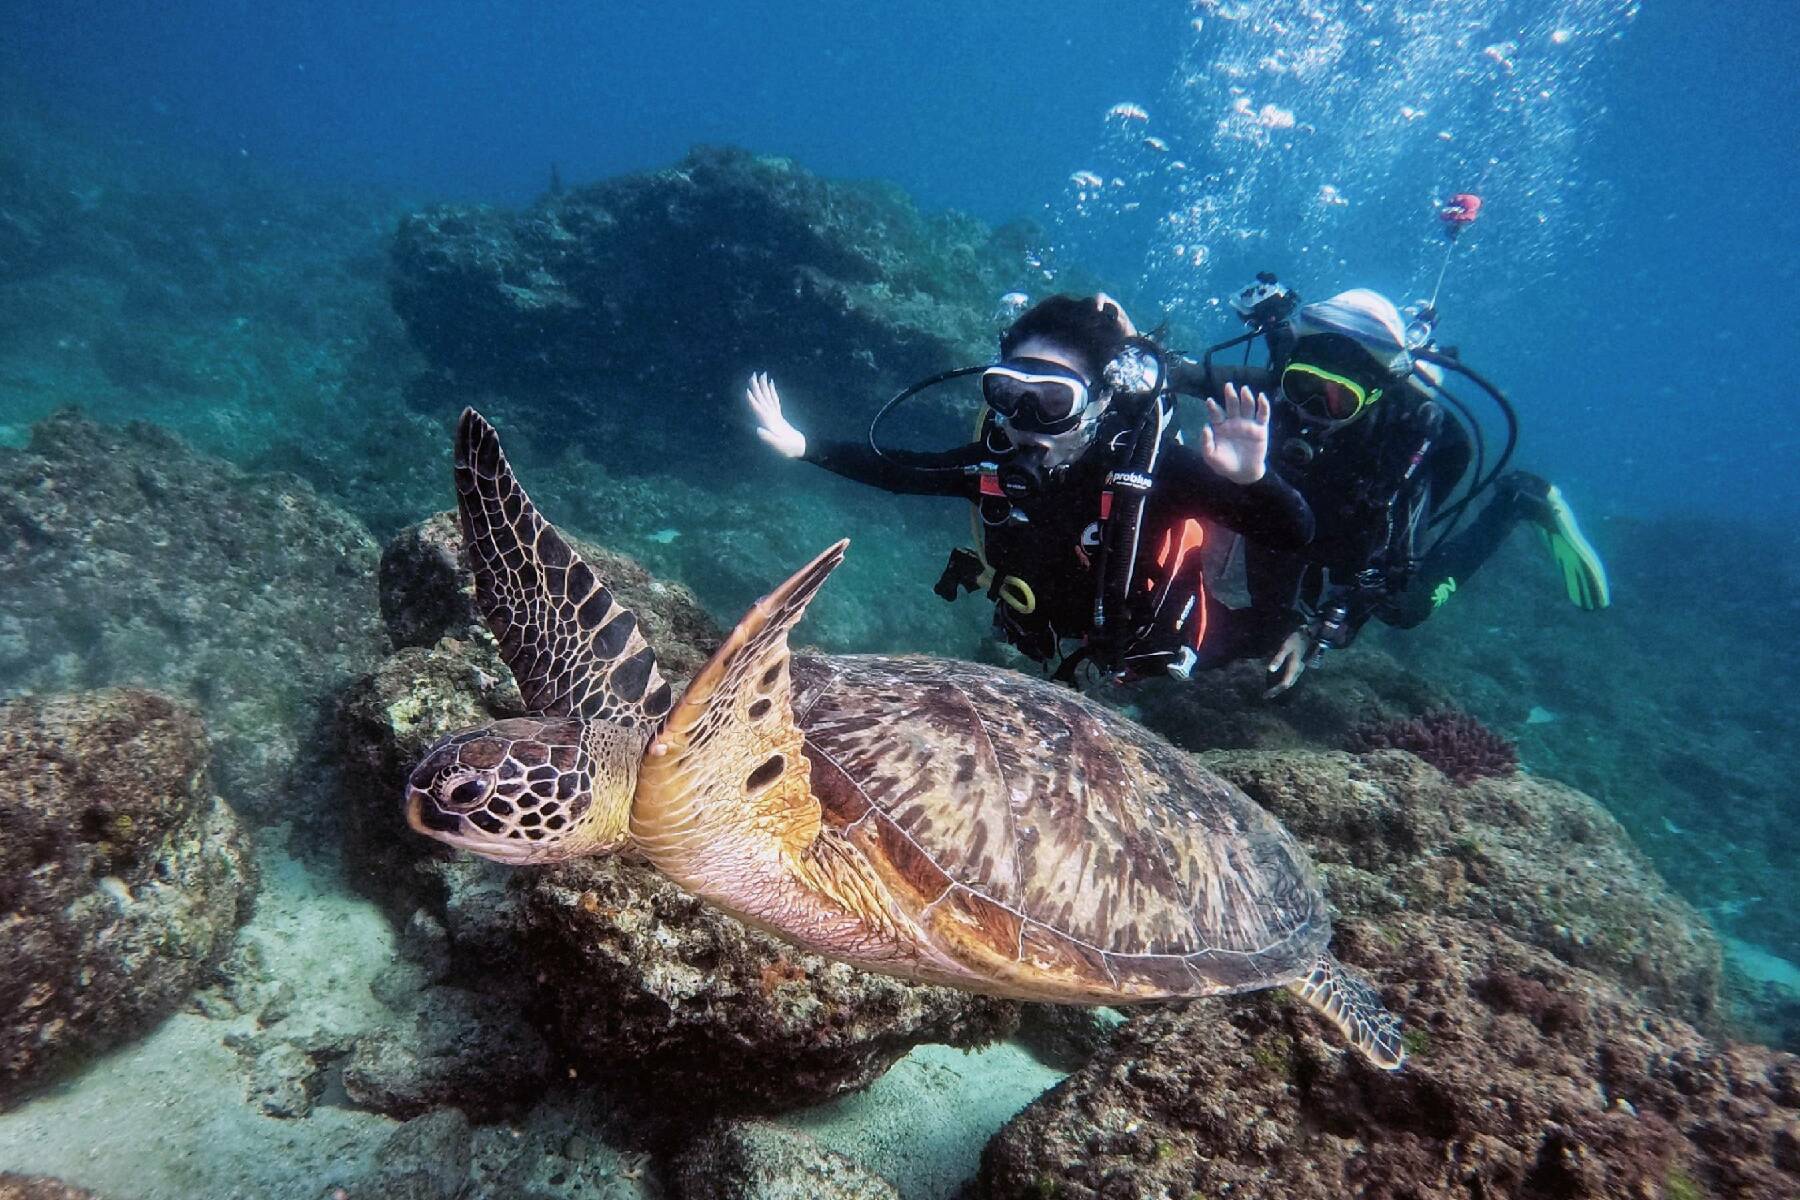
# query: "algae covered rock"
753,1160
643,978
1533,858
122,877
129,557
1527,1078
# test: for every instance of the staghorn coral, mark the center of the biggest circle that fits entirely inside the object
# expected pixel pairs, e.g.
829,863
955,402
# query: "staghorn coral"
1452,741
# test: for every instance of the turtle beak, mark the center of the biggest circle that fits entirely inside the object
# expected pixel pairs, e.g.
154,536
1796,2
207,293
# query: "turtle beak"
423,814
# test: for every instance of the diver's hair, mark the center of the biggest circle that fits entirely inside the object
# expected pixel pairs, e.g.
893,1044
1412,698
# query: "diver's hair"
1076,324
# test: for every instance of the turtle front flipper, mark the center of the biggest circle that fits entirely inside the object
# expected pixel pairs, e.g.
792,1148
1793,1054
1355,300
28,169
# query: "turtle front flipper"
724,801
1348,1002
574,650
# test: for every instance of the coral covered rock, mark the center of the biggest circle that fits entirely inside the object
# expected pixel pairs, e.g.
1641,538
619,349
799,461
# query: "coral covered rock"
129,557
647,979
122,877
1538,860
1527,1078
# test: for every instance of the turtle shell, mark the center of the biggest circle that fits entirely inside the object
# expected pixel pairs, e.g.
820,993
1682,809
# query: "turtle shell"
1047,846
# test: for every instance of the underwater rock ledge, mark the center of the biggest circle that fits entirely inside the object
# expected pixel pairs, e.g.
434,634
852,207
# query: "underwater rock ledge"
122,877
1527,1078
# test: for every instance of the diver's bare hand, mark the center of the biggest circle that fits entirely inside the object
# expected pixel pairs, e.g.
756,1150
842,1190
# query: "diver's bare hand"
1235,442
1288,663
771,426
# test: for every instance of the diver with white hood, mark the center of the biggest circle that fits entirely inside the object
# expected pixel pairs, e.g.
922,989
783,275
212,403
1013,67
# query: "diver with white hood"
1365,428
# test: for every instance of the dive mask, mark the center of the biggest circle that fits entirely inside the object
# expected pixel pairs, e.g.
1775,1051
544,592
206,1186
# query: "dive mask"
1035,394
1325,394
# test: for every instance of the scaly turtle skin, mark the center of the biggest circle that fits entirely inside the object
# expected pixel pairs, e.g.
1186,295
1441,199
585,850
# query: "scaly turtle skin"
924,818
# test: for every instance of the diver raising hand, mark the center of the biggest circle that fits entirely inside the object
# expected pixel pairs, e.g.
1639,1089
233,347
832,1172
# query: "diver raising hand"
771,426
1235,442
1091,513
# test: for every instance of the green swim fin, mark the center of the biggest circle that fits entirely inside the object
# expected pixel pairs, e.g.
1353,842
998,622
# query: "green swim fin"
1583,574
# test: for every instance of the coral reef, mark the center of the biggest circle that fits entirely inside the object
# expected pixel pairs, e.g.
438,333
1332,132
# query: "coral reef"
1454,742
129,557
122,877
1527,1078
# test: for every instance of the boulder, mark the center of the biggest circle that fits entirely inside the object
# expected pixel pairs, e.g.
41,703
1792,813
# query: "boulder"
1527,1078
122,877
640,978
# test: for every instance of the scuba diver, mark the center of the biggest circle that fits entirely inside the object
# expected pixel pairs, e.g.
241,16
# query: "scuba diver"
1089,512
1366,429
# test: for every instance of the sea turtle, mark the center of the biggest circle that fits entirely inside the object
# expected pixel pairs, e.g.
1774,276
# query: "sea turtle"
924,818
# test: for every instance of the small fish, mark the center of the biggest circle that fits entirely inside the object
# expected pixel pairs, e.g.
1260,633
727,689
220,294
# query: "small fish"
1156,144
1127,112
1087,180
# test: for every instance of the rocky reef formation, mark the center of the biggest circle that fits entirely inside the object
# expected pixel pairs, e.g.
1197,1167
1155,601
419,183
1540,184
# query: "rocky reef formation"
244,311
1527,1078
128,557
665,287
624,975
642,978
122,877
1534,858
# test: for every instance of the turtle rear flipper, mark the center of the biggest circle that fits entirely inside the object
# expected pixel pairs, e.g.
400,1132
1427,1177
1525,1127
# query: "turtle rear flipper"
574,650
1348,1002
726,777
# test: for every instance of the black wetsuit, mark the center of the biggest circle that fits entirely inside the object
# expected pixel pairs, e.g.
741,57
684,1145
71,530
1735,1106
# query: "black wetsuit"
1051,548
1373,486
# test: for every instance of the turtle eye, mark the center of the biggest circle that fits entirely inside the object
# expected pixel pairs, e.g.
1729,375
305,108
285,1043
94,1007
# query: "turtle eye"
464,794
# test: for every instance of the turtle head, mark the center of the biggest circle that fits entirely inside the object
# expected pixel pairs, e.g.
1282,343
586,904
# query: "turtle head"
528,790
